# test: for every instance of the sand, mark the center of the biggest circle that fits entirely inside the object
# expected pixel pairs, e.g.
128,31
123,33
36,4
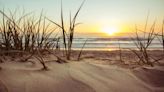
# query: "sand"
95,72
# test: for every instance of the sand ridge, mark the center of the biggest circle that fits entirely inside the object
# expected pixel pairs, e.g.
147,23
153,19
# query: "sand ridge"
80,76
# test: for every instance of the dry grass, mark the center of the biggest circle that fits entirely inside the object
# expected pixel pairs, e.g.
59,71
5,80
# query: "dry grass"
68,35
25,33
143,40
80,53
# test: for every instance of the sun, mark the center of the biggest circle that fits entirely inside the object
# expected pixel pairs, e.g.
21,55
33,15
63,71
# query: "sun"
110,30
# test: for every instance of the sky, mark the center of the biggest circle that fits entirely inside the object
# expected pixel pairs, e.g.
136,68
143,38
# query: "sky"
97,16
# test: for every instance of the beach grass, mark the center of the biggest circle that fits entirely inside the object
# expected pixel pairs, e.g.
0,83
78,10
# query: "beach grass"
68,35
142,40
25,33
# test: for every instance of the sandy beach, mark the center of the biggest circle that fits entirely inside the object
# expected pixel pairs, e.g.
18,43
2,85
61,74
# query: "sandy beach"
97,71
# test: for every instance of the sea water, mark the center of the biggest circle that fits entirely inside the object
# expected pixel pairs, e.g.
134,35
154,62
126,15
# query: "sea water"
111,44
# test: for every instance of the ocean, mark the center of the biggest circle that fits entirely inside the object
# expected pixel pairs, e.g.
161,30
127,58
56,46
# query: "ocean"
110,44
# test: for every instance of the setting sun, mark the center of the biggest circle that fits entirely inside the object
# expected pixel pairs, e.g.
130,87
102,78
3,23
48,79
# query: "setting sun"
110,30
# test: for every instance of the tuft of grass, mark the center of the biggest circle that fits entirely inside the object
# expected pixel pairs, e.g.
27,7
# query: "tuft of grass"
25,33
143,43
41,60
120,53
80,53
68,35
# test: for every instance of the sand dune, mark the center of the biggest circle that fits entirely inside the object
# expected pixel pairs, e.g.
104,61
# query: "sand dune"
83,76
